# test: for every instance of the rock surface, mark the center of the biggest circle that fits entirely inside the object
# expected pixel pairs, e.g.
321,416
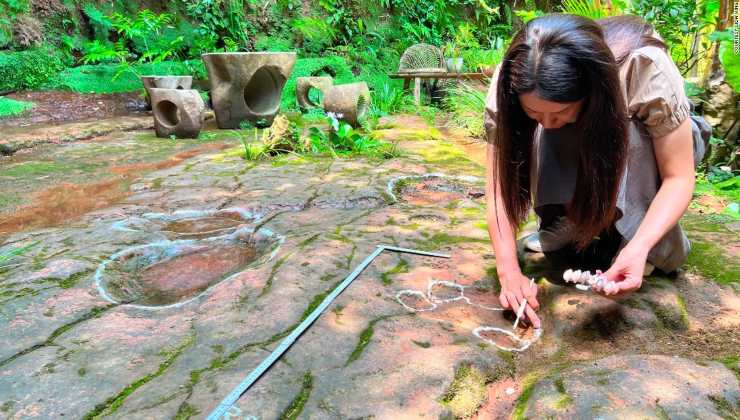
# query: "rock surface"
636,386
399,342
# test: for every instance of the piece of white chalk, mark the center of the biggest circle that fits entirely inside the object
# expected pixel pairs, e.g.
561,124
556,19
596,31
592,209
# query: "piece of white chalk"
520,312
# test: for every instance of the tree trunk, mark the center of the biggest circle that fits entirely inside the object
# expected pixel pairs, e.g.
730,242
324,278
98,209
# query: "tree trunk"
722,22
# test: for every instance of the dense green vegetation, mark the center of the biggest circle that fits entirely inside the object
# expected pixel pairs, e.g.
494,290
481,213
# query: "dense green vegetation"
92,46
10,107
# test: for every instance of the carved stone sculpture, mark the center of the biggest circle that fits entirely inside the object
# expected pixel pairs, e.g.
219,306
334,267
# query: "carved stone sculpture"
247,86
351,101
178,112
165,82
304,86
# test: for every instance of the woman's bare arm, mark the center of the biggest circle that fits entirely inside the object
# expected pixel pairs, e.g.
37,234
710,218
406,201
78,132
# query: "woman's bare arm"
514,285
675,156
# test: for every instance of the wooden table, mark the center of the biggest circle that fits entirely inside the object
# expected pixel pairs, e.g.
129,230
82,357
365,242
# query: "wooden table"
418,76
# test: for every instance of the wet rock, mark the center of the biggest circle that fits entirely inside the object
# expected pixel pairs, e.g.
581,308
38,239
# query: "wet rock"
634,386
435,189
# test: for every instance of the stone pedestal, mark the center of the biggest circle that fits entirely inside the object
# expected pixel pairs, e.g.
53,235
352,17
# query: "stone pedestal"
178,112
304,86
165,82
352,101
247,86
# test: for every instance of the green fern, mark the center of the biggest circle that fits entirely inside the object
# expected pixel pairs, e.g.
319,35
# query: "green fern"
587,8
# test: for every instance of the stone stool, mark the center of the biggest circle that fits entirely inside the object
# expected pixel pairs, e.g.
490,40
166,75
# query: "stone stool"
303,86
247,86
178,112
165,82
352,101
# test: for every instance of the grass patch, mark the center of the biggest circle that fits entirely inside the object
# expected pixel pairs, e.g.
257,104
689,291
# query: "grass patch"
565,400
709,261
401,267
101,78
732,363
661,413
438,240
467,391
111,405
365,336
725,408
185,412
11,107
522,402
510,364
296,406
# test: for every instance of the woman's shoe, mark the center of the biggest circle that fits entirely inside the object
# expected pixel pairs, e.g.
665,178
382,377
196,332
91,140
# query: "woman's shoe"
553,237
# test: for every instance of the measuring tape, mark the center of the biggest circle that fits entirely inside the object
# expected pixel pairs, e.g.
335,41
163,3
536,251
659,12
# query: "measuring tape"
240,389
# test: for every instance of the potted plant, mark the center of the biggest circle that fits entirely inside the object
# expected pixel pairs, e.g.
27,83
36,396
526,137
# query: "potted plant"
453,58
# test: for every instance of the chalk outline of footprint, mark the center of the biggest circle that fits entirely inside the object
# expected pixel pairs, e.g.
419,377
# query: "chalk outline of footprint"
434,303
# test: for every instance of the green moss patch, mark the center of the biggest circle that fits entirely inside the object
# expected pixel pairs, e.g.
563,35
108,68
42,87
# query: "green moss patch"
401,267
112,404
11,107
438,240
565,400
296,406
364,340
725,408
467,391
672,318
709,260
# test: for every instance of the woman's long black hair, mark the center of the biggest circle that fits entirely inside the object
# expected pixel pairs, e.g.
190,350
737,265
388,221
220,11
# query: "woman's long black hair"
563,58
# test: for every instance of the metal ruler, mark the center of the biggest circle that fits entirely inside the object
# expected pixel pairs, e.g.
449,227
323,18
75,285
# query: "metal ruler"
240,389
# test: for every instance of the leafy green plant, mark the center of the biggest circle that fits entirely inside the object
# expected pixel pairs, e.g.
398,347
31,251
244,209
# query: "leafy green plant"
729,59
683,24
280,138
342,139
30,69
143,29
107,78
9,10
100,23
451,50
314,35
389,100
270,43
466,105
223,24
590,8
527,15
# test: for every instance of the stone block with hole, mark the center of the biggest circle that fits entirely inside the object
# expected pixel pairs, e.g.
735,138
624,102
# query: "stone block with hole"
351,101
177,112
305,86
247,86
165,82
